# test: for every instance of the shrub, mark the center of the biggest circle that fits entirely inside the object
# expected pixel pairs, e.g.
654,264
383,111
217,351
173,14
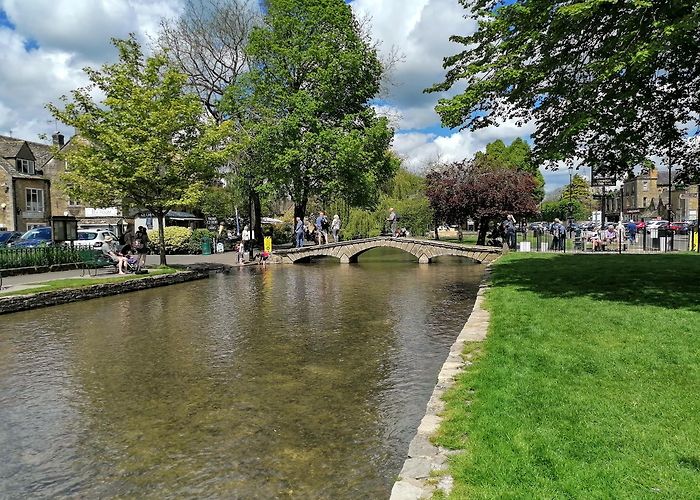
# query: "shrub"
176,240
361,224
197,237
282,233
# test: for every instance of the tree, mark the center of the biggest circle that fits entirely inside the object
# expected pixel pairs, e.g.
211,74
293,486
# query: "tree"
482,189
207,43
560,210
145,145
518,156
306,105
608,82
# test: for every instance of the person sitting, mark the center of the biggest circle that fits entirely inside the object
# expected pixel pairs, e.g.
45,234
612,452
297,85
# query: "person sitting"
109,252
609,235
595,240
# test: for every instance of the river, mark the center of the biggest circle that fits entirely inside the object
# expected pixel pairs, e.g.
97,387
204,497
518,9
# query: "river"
299,381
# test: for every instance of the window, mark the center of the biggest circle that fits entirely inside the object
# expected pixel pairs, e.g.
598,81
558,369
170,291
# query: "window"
644,203
645,186
73,203
35,200
25,166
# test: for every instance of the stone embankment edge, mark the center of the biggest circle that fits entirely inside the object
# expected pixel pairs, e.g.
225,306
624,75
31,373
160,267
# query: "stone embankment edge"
15,303
415,481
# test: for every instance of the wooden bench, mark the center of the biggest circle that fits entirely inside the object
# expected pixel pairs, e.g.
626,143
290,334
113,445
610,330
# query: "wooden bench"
92,260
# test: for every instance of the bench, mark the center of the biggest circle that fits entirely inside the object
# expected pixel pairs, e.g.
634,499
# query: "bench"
92,260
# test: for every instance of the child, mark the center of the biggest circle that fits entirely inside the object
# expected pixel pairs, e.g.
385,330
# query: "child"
241,252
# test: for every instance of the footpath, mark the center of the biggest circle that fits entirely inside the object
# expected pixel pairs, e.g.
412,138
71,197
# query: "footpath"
25,281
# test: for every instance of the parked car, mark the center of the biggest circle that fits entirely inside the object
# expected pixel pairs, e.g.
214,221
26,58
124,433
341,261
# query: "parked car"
93,238
640,225
34,237
680,227
8,237
656,224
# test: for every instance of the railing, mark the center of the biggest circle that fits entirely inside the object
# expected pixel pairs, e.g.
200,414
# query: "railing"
644,241
36,257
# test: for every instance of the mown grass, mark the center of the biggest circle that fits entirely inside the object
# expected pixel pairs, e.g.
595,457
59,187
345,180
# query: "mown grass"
70,283
588,385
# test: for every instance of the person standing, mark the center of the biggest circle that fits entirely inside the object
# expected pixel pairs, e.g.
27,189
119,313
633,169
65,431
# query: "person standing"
140,244
508,227
127,240
299,233
245,238
632,232
392,221
335,227
322,227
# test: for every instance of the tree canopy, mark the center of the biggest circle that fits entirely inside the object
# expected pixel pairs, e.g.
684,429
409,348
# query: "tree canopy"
306,105
482,189
145,145
518,156
608,82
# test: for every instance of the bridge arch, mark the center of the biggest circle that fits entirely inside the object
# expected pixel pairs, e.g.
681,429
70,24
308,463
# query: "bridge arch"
423,250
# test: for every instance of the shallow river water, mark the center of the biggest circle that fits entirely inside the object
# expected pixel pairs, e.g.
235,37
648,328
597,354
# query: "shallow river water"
300,381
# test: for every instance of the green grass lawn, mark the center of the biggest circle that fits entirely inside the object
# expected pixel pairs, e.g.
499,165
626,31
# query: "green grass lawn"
69,283
588,385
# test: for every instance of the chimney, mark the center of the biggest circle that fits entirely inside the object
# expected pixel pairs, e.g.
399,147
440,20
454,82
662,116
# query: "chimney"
58,139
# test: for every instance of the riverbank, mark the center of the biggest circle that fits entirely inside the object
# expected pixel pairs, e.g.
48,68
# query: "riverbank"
587,384
50,292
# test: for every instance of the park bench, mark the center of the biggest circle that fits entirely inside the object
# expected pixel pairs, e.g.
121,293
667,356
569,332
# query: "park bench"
92,260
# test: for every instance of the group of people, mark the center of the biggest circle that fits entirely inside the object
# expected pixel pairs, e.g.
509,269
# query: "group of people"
319,230
131,252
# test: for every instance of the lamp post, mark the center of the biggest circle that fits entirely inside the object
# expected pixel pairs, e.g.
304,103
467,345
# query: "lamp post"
571,206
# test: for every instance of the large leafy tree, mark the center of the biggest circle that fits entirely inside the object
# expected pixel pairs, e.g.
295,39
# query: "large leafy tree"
306,105
207,43
145,144
518,156
483,189
611,82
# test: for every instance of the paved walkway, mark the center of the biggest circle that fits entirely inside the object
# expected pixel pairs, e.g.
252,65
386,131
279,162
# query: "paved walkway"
23,281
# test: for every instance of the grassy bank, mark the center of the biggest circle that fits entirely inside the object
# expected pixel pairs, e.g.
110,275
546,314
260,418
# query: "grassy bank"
70,283
588,385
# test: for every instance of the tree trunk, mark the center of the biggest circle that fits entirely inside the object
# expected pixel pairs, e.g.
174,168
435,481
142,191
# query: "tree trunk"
435,224
460,233
483,229
300,208
257,221
161,237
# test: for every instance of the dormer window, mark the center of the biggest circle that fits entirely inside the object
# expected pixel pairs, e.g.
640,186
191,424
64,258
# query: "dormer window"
26,166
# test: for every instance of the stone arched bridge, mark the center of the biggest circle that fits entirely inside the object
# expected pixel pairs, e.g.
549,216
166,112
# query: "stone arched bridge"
423,250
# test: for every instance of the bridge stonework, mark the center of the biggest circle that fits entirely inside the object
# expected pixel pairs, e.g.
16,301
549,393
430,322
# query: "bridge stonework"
424,250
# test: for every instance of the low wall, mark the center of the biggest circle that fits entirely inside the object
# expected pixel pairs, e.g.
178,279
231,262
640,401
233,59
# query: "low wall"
16,303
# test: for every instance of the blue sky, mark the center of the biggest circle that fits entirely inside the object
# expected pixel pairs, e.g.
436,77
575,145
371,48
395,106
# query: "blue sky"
41,58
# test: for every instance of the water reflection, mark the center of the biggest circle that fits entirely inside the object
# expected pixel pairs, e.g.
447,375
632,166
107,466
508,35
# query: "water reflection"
297,381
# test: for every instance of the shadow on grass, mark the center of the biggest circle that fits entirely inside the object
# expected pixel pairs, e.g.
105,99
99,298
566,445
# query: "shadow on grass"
668,280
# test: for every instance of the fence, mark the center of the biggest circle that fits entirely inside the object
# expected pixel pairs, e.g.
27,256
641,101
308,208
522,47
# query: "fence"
585,241
35,257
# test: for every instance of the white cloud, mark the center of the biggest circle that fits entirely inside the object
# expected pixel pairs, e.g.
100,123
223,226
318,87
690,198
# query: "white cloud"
420,31
70,35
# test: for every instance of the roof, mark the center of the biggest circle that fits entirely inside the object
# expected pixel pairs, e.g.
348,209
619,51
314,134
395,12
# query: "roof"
9,146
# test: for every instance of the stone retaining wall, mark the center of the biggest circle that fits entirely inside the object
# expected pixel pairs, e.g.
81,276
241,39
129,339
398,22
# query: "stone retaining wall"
16,303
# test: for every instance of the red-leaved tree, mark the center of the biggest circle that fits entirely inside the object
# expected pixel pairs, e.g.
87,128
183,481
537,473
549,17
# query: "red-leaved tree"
481,189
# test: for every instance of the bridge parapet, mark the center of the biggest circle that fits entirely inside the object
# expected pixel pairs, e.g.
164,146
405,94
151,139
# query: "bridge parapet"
424,250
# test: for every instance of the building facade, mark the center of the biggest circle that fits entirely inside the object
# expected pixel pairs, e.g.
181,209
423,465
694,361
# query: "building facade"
25,189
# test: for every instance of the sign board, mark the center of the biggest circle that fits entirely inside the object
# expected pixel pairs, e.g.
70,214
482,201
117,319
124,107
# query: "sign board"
268,244
212,223
692,214
599,179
